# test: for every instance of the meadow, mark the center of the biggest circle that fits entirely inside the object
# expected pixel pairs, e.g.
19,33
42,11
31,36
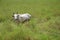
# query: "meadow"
44,23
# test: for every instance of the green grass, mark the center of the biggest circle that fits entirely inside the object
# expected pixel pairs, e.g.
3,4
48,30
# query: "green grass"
44,24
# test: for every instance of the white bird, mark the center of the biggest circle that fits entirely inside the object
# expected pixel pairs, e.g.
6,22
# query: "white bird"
22,17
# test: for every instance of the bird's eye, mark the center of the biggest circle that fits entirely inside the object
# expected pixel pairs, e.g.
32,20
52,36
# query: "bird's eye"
12,16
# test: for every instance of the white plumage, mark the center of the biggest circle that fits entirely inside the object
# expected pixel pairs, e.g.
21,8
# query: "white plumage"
22,17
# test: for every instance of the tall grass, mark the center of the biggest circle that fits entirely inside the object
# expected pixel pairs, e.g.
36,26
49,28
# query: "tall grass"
44,24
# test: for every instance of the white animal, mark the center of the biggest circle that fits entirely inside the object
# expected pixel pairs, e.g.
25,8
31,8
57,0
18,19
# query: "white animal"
22,17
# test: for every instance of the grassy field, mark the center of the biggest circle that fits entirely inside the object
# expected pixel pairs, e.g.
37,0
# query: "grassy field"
44,24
